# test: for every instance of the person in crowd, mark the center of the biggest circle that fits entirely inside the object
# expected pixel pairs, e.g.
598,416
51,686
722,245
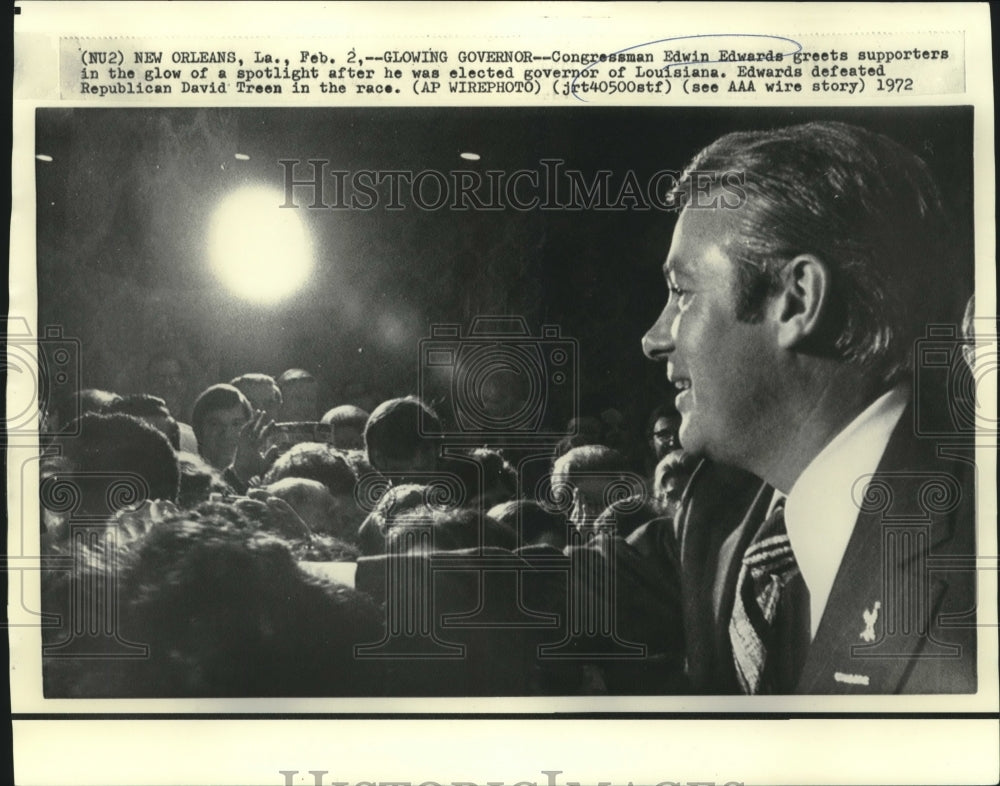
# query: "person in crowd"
661,432
230,434
535,524
584,475
199,480
108,462
151,410
401,439
261,391
300,396
167,378
315,462
311,501
64,406
221,609
670,479
789,335
625,516
486,477
397,500
347,424
425,529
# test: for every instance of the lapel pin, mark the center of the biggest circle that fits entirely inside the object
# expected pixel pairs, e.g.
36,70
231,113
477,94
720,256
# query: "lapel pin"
851,679
871,617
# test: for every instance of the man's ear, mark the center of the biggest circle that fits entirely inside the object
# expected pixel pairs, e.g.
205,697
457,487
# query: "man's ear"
802,301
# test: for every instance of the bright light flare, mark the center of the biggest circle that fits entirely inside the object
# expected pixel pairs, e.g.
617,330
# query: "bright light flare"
259,250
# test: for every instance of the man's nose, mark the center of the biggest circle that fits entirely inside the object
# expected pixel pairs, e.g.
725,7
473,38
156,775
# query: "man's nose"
658,342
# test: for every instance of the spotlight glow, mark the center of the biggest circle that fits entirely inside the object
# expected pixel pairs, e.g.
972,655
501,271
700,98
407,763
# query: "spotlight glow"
468,156
259,250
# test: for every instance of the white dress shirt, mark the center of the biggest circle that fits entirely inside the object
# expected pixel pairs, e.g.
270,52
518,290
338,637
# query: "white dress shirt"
821,510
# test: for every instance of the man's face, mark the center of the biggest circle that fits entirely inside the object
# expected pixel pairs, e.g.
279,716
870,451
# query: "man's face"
166,380
220,432
300,401
664,437
719,365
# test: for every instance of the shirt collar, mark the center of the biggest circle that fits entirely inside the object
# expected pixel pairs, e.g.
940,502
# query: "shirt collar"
821,511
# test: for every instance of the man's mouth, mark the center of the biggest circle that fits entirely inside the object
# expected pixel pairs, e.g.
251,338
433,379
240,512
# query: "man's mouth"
680,385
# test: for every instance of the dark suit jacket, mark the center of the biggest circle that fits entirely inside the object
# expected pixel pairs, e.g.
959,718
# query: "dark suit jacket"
912,552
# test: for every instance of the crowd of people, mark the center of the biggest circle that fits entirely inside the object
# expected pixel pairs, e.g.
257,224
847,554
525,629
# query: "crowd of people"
270,500
269,548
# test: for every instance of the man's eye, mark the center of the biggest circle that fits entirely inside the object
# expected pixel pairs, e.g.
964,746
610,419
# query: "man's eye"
675,290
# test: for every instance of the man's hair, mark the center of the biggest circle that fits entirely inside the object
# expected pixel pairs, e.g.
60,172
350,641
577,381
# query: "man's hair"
347,423
314,461
213,399
244,382
95,400
447,530
143,405
676,462
109,445
591,458
486,476
865,206
294,376
397,431
198,480
346,415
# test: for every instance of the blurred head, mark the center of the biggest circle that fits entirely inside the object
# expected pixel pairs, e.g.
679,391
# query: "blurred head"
671,477
167,378
199,480
429,529
348,424
219,414
487,478
299,394
588,473
313,502
151,410
113,461
399,437
314,461
261,391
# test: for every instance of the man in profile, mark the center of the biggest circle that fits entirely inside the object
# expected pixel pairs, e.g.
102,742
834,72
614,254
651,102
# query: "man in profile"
789,335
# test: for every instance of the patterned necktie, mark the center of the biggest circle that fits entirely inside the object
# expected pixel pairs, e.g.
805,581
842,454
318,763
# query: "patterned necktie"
768,566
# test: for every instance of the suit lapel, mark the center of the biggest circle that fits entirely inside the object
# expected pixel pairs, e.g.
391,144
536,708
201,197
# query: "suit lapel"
853,651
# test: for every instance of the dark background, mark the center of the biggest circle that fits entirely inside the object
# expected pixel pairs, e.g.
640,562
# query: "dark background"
124,205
